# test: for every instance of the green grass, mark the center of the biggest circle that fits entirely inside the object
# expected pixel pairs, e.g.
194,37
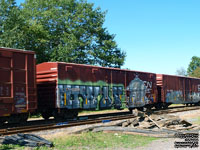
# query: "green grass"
11,147
35,116
176,105
197,120
100,111
93,141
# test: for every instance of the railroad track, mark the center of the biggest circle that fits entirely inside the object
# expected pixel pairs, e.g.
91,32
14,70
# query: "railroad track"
80,117
39,122
34,128
176,109
26,129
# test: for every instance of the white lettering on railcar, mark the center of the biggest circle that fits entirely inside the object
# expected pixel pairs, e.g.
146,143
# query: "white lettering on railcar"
199,87
148,85
73,89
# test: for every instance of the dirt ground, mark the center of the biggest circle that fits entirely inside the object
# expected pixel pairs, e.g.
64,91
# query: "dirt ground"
161,144
189,116
168,143
164,144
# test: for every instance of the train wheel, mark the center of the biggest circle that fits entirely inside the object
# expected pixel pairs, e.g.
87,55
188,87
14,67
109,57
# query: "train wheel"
148,107
46,115
158,106
75,114
197,104
165,105
57,116
23,117
131,110
69,114
140,108
1,123
2,120
14,119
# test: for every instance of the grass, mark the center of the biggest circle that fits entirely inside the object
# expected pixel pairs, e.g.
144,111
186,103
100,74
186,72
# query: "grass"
93,141
38,115
176,105
85,112
197,120
11,147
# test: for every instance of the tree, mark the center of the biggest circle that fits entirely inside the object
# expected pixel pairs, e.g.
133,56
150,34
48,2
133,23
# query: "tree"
196,73
194,64
11,24
181,71
65,30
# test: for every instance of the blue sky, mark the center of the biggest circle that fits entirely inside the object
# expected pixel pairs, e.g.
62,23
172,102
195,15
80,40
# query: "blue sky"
158,36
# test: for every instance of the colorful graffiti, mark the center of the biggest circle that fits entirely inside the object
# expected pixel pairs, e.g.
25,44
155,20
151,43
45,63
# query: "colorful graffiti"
89,95
199,87
138,92
177,97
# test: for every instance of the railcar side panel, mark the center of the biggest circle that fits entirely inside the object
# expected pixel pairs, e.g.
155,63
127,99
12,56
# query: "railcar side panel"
141,89
47,85
90,87
17,82
178,89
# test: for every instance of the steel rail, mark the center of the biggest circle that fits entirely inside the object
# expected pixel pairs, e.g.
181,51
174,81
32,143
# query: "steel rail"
26,129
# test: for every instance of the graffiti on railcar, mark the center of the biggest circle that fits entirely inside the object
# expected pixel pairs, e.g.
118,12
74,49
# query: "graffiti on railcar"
174,96
148,85
194,97
140,92
89,96
178,96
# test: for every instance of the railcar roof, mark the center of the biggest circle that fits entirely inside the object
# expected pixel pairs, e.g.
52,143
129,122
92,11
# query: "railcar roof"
16,50
110,68
179,76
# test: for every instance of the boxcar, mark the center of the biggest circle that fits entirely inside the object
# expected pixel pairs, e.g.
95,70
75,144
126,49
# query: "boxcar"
17,84
178,89
64,88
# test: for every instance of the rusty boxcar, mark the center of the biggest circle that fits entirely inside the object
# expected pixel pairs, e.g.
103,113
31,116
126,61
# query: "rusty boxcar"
17,84
178,90
64,88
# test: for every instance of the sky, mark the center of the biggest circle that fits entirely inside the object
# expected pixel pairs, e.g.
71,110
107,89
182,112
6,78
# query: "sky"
158,36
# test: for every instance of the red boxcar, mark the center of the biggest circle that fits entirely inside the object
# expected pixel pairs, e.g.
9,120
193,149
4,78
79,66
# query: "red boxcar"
17,84
178,89
67,86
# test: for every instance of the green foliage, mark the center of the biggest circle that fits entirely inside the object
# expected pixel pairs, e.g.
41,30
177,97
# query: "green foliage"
196,73
101,140
11,147
197,120
193,67
64,30
92,141
11,24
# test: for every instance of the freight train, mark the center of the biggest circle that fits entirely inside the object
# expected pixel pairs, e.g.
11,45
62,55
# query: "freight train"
61,89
